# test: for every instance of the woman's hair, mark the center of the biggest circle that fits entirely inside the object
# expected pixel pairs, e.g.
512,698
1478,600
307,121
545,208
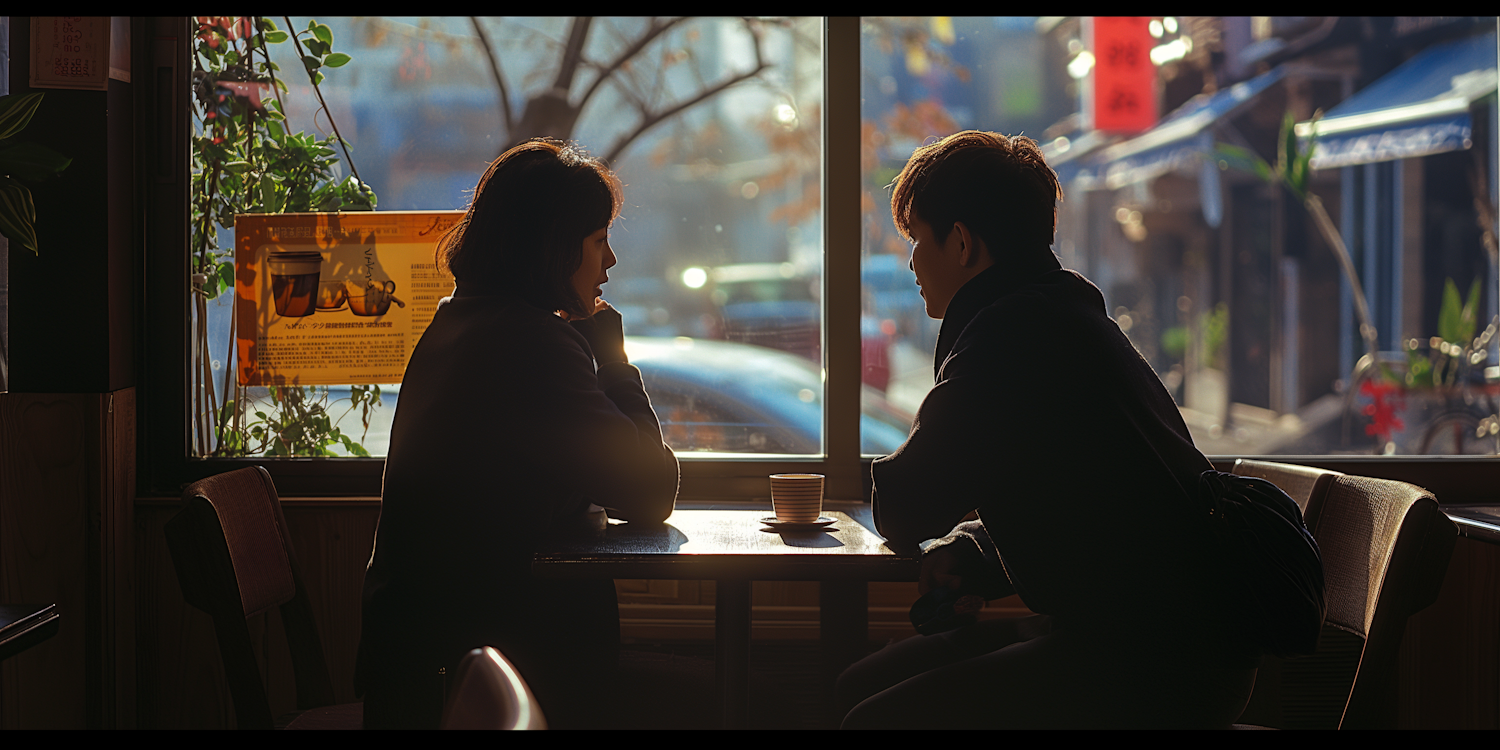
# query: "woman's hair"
1000,186
524,231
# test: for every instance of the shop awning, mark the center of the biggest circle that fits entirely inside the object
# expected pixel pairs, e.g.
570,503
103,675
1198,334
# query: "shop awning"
1175,142
1420,108
1067,157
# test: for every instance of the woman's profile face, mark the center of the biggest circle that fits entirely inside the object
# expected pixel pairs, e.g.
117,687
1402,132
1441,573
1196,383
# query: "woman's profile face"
598,257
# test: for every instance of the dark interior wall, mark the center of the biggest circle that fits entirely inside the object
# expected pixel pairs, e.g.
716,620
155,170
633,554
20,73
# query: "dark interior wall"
71,304
67,424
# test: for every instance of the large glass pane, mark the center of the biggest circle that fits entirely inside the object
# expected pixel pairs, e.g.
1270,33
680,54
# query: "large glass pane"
713,124
1348,307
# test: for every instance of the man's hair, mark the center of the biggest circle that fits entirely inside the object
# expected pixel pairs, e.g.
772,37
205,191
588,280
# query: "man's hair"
524,231
999,186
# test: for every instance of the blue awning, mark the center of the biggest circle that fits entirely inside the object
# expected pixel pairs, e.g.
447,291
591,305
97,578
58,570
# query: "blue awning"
1066,156
1420,108
1176,142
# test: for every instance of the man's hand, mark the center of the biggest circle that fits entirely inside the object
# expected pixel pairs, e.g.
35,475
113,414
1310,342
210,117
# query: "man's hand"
938,571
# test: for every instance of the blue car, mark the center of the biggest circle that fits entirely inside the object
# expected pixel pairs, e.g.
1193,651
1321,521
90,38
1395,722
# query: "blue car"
729,397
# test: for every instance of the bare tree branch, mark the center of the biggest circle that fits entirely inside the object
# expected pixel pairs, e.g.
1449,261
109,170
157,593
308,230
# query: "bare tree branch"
608,70
649,119
573,54
489,51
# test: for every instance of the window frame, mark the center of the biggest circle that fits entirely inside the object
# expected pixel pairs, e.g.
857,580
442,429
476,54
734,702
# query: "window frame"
164,467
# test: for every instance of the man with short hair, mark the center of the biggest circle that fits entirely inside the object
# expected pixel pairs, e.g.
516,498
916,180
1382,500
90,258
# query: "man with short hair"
1046,421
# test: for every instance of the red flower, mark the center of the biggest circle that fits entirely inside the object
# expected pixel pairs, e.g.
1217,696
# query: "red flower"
1381,410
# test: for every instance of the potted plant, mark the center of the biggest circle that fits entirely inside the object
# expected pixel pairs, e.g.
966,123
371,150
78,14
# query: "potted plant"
245,160
1442,404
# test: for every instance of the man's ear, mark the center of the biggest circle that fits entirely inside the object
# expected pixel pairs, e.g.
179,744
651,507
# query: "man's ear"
968,253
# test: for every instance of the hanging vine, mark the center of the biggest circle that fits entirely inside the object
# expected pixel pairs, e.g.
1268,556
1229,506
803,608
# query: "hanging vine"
245,160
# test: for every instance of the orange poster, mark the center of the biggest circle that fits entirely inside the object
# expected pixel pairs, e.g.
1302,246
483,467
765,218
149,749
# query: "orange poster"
335,299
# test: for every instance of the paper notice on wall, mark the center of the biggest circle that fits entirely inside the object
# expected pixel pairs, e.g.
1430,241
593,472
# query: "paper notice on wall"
337,298
70,52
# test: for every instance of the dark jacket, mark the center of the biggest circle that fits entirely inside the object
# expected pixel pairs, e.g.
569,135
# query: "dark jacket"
504,432
1047,420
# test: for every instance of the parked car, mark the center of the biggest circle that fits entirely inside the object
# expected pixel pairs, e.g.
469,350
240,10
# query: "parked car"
739,398
775,305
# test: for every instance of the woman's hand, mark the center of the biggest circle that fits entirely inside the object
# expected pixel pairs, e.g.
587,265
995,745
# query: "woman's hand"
599,306
605,332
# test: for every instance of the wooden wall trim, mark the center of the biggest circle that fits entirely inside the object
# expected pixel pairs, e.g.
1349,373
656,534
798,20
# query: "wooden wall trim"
67,536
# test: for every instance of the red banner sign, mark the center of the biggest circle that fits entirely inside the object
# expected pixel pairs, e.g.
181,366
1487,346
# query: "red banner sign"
1124,78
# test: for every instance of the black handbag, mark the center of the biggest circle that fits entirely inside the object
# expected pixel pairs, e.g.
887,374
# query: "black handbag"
1273,570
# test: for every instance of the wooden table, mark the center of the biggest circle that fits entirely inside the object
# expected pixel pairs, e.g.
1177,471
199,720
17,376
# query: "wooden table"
732,548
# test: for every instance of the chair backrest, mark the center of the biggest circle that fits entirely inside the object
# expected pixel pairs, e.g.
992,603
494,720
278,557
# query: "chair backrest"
1385,548
234,559
1305,484
488,693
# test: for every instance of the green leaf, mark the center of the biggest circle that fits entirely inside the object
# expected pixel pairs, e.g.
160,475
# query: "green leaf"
276,37
31,161
1290,163
237,167
1450,314
1243,159
267,24
355,448
317,78
323,33
311,63
1468,320
16,111
1457,320
17,214
337,59
226,274
317,48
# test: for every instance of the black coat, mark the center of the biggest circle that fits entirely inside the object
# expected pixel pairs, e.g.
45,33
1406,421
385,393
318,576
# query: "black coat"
1047,420
504,432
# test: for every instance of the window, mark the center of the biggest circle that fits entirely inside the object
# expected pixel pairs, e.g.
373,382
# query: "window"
1156,234
713,124
1224,281
720,154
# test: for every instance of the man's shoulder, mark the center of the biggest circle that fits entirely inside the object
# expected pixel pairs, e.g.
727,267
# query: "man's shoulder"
1053,298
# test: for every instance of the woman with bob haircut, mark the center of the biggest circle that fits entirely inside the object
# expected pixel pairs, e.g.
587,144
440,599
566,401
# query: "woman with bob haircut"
518,411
